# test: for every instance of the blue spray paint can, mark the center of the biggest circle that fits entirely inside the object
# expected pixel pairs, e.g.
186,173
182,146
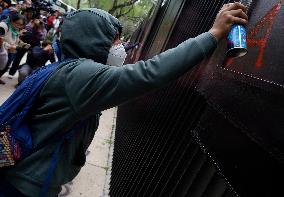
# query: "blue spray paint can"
237,41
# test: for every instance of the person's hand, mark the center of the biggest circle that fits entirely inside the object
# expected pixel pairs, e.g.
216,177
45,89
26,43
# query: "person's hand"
13,47
26,46
22,32
231,13
48,49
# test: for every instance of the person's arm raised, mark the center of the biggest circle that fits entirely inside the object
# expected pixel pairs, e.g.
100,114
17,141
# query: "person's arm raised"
96,87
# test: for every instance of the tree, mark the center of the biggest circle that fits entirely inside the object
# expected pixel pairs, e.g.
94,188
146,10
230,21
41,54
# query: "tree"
120,9
130,12
78,4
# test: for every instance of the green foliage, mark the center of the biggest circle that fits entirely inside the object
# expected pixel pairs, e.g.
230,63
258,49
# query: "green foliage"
135,13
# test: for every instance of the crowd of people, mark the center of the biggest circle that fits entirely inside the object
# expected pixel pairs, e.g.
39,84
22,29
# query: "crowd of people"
31,27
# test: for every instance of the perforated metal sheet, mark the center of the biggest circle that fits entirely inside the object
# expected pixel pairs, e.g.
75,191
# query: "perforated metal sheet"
218,130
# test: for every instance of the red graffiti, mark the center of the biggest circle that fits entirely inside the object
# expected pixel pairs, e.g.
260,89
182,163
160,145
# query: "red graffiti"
268,20
266,24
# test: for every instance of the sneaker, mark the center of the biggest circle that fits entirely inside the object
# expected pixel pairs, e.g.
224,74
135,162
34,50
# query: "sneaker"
10,76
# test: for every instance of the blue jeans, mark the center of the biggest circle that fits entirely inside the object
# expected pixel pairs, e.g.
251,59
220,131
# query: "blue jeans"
11,57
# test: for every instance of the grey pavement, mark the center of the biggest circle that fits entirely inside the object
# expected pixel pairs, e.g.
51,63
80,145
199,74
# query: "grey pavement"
94,178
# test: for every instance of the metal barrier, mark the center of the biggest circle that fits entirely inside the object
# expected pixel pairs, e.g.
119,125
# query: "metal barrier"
218,130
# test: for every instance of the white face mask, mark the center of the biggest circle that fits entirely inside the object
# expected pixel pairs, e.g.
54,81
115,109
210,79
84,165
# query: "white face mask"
116,56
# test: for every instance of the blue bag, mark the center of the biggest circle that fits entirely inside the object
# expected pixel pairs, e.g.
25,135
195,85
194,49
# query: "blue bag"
15,136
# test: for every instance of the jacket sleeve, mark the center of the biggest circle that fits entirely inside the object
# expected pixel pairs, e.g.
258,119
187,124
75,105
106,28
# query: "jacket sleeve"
93,87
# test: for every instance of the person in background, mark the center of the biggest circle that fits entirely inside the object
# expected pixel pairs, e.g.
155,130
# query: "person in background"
10,40
37,57
3,57
33,34
28,3
53,23
5,4
28,13
50,19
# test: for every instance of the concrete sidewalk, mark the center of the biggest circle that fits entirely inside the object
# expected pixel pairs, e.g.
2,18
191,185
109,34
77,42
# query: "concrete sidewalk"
93,180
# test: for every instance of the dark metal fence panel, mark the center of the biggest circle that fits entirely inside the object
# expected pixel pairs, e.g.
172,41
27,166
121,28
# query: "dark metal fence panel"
218,130
161,31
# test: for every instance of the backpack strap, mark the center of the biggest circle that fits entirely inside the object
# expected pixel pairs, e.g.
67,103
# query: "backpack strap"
16,107
60,139
51,170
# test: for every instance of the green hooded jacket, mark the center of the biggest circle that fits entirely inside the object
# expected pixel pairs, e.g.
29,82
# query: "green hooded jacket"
86,86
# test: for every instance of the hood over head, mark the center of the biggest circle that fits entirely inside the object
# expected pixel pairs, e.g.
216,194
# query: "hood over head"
88,33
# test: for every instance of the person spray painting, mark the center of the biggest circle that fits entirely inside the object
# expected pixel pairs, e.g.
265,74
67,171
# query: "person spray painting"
80,89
